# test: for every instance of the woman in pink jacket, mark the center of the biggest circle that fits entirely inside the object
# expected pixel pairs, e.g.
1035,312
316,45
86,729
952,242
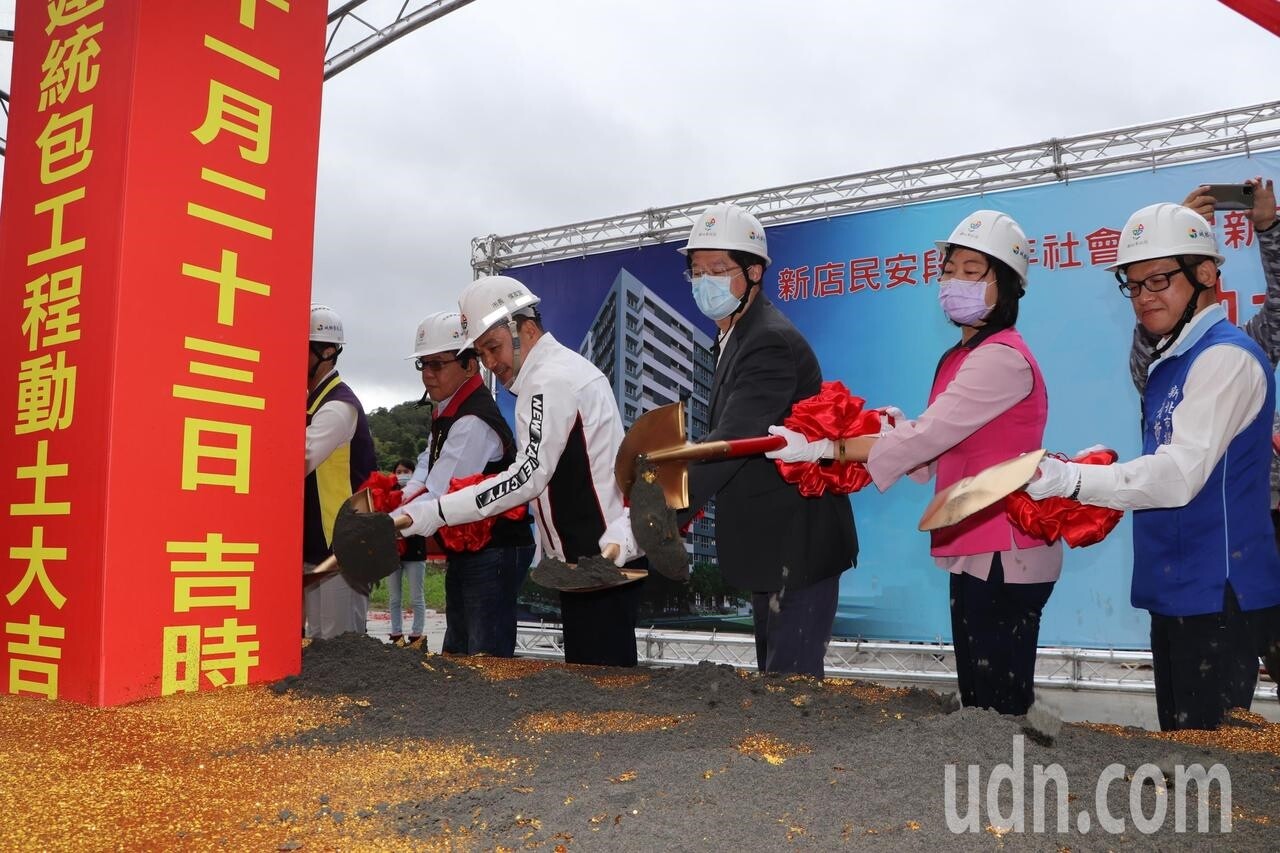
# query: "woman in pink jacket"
987,404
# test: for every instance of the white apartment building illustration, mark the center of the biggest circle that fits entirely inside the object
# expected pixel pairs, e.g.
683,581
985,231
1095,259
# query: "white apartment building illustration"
653,356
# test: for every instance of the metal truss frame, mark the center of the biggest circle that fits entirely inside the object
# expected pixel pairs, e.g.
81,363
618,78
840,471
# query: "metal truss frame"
911,663
1243,130
351,37
354,31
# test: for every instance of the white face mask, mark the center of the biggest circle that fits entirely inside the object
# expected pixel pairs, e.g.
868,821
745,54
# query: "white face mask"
963,301
403,479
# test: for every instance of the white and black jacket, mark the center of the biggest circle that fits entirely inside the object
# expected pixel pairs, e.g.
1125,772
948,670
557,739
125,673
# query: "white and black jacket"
567,434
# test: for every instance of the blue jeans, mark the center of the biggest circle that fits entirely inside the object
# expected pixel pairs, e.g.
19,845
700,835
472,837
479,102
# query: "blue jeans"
480,600
417,570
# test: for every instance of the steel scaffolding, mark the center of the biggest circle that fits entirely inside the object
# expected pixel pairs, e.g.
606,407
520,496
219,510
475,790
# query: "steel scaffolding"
1244,130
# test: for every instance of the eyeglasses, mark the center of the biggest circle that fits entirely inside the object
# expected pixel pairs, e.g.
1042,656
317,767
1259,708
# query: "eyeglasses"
434,366
690,276
1130,288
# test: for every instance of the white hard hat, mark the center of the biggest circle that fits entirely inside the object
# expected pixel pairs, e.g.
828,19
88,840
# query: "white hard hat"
437,333
992,233
1165,230
490,300
729,228
326,325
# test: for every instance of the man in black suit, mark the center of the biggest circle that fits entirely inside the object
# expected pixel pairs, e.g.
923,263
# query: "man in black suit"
788,550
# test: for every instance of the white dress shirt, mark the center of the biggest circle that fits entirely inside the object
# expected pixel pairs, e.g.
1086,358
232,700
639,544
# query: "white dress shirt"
470,445
333,425
1224,391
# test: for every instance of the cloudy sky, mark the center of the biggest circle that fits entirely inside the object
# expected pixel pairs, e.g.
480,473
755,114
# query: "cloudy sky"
515,115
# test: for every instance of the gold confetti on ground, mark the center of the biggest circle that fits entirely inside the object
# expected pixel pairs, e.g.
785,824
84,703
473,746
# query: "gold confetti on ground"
1242,732
913,825
599,723
504,669
865,692
204,771
622,680
769,748
628,776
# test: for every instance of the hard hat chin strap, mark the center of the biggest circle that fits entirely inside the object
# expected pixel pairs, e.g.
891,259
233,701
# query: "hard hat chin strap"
1187,313
517,348
732,318
317,349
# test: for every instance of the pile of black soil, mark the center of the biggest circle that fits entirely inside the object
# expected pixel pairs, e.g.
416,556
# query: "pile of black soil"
594,572
707,758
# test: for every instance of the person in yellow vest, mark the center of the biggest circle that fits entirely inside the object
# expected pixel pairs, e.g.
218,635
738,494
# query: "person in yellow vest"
340,457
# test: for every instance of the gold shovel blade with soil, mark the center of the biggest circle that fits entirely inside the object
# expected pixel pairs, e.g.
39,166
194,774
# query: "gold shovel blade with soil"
589,575
974,494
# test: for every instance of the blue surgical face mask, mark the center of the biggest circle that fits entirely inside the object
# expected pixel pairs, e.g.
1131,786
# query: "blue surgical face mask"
403,479
713,295
964,302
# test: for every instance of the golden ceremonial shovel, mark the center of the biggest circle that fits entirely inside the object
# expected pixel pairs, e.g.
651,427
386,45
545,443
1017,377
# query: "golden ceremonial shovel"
973,494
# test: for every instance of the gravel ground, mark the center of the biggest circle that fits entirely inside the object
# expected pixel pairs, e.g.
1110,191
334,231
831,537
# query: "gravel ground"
704,758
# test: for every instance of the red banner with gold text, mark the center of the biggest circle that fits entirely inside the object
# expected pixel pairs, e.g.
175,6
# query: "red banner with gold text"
155,245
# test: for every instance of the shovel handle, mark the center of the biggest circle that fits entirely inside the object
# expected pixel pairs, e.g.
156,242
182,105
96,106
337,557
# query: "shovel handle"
719,449
330,563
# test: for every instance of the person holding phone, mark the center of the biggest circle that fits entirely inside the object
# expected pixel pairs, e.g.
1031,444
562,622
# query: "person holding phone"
988,403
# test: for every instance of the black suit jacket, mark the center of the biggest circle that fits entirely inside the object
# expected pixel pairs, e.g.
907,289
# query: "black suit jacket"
768,536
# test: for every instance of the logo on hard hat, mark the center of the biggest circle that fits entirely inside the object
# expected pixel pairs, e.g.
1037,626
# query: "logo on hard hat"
975,225
709,222
462,321
1018,250
1137,230
1194,233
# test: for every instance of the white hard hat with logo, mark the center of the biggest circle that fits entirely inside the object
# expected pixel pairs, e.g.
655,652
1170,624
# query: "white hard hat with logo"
437,333
326,325
992,233
1165,230
729,228
490,300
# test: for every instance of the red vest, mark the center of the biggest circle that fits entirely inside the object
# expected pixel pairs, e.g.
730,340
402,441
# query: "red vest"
1016,431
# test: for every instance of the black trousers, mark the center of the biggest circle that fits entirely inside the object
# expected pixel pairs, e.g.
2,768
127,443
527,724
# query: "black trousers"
600,627
793,627
995,627
1204,664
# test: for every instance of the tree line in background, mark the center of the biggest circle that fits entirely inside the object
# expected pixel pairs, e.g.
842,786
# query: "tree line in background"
401,433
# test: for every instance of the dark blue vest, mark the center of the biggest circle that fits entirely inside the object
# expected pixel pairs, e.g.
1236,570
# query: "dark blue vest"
1183,557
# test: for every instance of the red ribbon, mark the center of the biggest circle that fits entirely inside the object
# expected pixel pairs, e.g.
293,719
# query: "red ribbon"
831,413
474,535
384,494
1081,525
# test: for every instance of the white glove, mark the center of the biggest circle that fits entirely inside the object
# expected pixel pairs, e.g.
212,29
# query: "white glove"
619,533
426,517
891,416
1054,479
799,448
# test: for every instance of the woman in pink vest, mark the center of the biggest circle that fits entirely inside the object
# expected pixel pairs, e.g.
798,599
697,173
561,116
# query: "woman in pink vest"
987,404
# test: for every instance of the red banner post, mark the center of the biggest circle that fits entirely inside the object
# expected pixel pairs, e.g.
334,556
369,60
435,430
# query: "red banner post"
155,245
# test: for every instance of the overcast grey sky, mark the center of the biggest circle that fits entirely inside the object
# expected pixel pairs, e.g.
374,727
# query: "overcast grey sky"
515,115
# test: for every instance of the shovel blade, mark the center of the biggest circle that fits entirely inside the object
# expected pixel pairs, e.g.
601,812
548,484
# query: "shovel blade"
659,429
974,494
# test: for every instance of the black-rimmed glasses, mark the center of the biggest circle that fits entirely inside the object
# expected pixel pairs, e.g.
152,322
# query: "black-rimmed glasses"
435,366
1131,287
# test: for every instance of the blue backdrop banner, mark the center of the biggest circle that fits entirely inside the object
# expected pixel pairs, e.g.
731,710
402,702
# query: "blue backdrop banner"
861,287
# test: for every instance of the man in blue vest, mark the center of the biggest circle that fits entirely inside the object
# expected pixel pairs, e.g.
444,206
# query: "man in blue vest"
340,457
1205,563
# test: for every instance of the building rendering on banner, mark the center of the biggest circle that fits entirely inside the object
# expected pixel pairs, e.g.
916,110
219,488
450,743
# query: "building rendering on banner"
653,356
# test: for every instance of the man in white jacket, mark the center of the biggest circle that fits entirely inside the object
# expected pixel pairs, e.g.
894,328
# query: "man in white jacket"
567,434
